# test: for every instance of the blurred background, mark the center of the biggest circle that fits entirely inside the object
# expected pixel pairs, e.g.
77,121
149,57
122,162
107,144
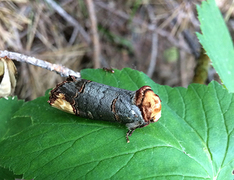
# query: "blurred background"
154,36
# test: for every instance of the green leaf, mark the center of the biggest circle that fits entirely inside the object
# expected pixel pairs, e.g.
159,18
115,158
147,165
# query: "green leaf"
194,138
5,174
8,108
217,41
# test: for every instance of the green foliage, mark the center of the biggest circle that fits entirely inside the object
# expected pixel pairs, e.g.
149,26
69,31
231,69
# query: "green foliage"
217,42
192,140
8,107
171,54
9,175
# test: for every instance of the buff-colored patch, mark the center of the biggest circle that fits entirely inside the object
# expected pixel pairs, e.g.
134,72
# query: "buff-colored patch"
62,104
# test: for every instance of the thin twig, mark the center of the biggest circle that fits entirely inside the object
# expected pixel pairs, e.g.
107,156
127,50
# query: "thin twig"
192,43
32,31
63,71
69,18
73,36
96,43
182,67
154,48
154,52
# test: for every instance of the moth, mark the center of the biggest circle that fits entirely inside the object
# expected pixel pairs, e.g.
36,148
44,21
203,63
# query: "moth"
135,109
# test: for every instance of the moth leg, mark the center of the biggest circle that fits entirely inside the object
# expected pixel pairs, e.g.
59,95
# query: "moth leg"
129,133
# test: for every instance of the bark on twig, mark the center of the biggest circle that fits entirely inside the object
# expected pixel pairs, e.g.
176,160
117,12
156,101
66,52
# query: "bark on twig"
96,43
63,71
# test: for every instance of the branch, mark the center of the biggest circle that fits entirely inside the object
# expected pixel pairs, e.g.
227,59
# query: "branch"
63,71
96,43
154,52
154,48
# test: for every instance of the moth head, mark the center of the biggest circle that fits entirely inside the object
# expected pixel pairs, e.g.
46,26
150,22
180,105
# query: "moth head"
149,103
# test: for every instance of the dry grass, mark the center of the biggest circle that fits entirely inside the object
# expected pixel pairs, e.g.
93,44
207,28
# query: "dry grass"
64,33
